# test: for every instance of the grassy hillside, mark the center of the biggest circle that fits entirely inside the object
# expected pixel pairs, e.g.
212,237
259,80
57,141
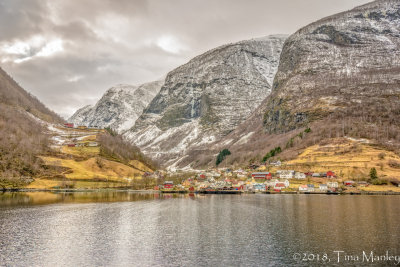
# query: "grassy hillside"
350,159
113,163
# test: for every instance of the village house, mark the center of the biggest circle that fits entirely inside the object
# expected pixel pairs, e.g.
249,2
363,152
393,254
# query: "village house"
286,174
303,188
300,175
271,183
349,183
259,187
332,184
330,174
323,187
311,188
201,177
168,184
261,175
279,186
69,125
316,174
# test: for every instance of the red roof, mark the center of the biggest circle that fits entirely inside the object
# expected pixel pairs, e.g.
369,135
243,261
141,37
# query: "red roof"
280,185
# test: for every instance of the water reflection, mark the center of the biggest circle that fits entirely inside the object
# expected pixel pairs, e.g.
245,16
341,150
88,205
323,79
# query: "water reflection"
42,198
115,229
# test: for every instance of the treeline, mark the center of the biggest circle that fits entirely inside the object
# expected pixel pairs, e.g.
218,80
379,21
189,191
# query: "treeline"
115,147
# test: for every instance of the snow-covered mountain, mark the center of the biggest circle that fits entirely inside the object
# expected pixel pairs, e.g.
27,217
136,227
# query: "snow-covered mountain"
339,76
349,61
207,98
119,107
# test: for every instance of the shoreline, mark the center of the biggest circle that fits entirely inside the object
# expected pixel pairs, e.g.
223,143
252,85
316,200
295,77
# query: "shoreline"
31,190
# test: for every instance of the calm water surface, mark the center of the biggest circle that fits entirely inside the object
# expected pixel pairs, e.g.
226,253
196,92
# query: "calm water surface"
132,229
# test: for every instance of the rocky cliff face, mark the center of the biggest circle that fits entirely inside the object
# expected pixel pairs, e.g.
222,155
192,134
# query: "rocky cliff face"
207,98
348,63
119,107
339,75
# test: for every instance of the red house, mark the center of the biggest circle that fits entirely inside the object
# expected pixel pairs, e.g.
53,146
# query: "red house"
69,125
168,185
330,174
349,183
262,175
71,145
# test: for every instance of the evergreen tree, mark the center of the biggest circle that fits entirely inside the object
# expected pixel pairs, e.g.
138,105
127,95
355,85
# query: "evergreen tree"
373,174
222,155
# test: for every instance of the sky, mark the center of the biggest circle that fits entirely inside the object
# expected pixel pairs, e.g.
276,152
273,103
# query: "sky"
69,52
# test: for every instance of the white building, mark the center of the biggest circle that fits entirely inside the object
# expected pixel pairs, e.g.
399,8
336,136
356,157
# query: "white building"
300,175
323,187
286,174
332,184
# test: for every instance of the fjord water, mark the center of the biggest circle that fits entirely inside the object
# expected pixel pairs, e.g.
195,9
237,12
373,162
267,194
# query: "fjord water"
133,229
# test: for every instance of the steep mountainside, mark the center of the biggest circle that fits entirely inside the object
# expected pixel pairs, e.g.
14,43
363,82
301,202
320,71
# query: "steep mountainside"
345,64
207,98
119,107
339,76
21,136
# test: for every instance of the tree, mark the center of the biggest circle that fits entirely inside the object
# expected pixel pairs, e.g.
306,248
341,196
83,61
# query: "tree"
272,153
373,174
222,155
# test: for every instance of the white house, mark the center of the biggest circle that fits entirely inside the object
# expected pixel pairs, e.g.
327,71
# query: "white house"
286,174
300,175
271,182
323,187
332,184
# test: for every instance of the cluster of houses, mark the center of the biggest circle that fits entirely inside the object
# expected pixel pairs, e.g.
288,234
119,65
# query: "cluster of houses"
259,181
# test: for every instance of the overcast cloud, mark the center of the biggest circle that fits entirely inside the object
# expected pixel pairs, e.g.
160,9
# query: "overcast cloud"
69,52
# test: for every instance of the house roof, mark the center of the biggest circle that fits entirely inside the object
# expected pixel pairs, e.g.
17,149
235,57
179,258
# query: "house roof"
280,185
310,185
